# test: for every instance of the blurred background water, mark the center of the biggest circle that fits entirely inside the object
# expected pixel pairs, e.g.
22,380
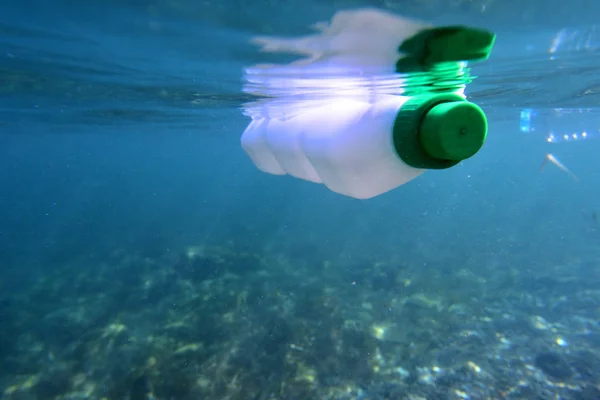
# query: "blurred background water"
120,124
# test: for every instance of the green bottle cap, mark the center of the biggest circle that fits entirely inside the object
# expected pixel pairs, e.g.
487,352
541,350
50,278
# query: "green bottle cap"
437,131
453,130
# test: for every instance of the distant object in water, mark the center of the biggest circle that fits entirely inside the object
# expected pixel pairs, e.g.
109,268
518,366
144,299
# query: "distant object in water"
554,160
377,100
558,125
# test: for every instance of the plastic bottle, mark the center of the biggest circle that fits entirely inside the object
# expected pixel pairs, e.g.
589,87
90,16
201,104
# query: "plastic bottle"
367,143
363,150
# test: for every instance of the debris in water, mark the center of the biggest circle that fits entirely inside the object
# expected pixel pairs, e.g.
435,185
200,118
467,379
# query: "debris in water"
554,160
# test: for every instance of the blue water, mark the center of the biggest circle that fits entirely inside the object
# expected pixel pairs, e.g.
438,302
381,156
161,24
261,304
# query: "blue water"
120,125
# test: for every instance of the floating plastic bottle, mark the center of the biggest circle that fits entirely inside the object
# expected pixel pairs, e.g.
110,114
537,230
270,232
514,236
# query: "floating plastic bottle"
364,143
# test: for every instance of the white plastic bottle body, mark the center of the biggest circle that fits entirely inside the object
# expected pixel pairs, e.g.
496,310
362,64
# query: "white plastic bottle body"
346,143
282,136
254,144
350,144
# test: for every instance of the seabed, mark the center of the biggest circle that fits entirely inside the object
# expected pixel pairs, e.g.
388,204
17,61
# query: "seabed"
218,323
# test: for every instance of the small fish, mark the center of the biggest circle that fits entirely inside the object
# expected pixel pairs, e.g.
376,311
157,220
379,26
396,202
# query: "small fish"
595,217
554,160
